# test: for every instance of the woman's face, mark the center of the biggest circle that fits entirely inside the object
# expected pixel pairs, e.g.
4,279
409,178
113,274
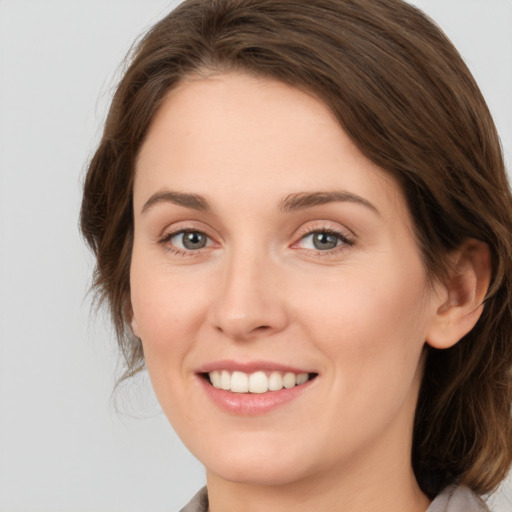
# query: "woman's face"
268,250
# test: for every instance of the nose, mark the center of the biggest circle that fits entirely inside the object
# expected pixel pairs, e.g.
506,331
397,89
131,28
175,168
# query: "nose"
250,301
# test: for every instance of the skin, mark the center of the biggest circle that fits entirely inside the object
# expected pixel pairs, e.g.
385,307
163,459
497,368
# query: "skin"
357,315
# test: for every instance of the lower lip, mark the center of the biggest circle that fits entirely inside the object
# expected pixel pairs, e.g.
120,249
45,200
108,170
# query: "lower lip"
252,404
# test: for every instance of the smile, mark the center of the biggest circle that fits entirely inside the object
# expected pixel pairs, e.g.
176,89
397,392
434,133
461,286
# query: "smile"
256,382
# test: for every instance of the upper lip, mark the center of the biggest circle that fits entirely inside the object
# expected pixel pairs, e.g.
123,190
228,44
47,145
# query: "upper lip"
250,367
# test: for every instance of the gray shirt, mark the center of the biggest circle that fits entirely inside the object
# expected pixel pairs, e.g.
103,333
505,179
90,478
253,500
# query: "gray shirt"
452,499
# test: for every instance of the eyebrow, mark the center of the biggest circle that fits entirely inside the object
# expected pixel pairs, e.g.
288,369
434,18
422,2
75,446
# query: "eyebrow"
194,201
292,202
303,200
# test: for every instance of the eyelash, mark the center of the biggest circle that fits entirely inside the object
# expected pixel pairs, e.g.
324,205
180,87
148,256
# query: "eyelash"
180,252
344,241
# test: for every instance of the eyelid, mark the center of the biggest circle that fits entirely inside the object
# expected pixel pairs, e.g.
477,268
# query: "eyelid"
185,224
174,234
178,228
324,226
346,237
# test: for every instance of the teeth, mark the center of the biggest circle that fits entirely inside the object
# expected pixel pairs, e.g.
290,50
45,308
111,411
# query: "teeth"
216,379
257,382
302,378
239,382
225,380
289,380
275,381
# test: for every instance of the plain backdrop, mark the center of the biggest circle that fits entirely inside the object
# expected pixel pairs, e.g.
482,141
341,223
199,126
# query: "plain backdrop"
65,445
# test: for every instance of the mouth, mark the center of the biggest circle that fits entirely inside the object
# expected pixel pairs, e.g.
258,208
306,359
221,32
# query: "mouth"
257,382
256,387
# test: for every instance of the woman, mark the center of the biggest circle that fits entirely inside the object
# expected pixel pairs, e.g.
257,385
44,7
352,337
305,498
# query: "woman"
302,226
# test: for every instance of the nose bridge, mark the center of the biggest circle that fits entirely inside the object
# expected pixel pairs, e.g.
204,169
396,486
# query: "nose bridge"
247,303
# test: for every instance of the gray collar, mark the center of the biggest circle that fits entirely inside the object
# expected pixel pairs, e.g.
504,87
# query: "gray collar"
452,499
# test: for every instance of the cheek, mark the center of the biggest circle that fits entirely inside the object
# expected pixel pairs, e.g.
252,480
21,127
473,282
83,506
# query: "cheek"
167,311
366,299
371,331
372,325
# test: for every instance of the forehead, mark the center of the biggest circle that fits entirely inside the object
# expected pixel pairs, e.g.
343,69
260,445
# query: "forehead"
238,109
236,133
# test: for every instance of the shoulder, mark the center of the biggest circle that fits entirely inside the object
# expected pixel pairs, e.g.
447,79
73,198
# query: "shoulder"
458,499
452,499
199,503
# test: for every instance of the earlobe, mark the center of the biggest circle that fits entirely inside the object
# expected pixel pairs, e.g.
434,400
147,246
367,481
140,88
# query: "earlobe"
464,292
134,326
131,320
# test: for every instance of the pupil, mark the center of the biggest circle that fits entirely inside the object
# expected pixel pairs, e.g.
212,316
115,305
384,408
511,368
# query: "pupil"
194,240
324,241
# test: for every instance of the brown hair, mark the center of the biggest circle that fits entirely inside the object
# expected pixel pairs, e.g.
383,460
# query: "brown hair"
403,94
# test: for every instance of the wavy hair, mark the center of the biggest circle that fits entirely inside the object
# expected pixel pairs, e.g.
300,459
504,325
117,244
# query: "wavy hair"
403,94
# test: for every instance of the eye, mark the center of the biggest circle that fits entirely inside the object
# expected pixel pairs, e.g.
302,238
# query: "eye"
187,240
324,240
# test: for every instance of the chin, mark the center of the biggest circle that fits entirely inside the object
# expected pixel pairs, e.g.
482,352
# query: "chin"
272,473
273,463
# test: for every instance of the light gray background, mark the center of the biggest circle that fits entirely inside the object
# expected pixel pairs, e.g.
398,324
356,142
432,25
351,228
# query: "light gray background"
63,446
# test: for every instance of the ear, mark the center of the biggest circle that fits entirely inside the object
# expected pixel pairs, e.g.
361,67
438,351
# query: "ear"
134,326
130,318
461,296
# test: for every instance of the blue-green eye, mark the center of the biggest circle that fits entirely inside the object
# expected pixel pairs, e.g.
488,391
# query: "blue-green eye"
323,240
188,240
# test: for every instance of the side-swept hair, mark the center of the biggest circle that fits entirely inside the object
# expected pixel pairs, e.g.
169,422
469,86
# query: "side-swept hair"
407,100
